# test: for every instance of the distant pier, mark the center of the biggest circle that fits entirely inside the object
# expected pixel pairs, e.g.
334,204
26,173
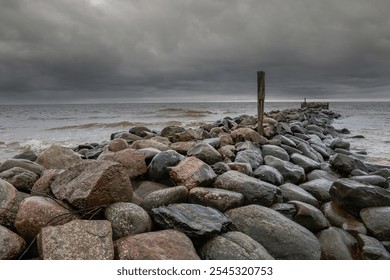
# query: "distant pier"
315,105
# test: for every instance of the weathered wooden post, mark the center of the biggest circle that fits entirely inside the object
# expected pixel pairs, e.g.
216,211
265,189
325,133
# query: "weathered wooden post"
260,101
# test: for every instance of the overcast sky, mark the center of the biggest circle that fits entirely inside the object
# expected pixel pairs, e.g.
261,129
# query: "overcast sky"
202,50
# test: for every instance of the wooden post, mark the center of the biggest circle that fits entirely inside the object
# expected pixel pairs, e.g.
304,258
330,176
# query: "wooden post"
260,101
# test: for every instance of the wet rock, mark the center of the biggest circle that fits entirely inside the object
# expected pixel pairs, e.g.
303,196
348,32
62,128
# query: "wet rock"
93,183
182,147
127,219
220,168
345,164
253,190
206,153
377,221
158,245
192,219
269,174
290,172
192,172
117,145
144,188
157,169
132,160
165,197
275,151
340,143
375,180
357,172
149,143
310,152
371,248
247,134
342,219
219,199
57,157
22,163
36,212
297,128
293,192
321,174
128,137
12,245
283,128
323,151
77,240
319,188
271,229
286,209
251,157
309,216
384,172
170,130
233,245
28,155
291,150
20,178
337,244
140,131
306,163
353,196
241,167
7,199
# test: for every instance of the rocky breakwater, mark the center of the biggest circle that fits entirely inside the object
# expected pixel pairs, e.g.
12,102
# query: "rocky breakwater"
220,191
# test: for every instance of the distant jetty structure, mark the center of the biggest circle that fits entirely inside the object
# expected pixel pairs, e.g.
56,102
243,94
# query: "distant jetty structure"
314,105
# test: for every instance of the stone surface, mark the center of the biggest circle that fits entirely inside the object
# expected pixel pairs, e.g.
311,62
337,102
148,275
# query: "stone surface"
170,130
182,147
276,151
241,167
286,209
57,157
149,143
28,155
253,190
12,245
23,163
281,237
251,157
117,145
310,152
375,180
319,188
165,197
42,186
205,152
157,169
309,216
93,183
291,172
337,244
321,174
20,178
219,199
306,163
340,143
127,219
233,245
293,192
268,174
247,134
371,248
220,168
158,245
345,164
7,199
139,130
377,221
77,240
192,172
144,188
192,219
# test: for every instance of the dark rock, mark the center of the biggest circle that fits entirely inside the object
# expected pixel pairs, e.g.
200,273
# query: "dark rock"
192,219
371,248
375,180
77,240
144,188
297,128
291,150
157,169
227,152
276,151
233,245
319,188
244,168
337,244
302,136
309,216
164,197
139,131
26,164
285,141
149,154
158,245
57,157
247,134
213,142
308,151
321,150
189,135
353,196
28,155
384,172
12,245
220,168
293,192
117,145
192,172
93,183
205,152
345,164
127,219
20,178
321,174
290,172
343,131
340,143
306,163
377,221
128,137
251,157
286,209
219,199
171,130
283,128
271,229
7,199
253,190
358,172
269,174
247,145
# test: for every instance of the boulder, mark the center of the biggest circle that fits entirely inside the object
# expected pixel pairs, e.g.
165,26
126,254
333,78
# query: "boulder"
337,244
28,155
127,219
165,197
158,245
140,131
377,221
275,151
375,180
353,196
220,168
117,145
20,178
291,173
192,219
170,130
23,163
157,169
286,209
182,147
227,152
219,199
293,192
8,213
247,134
241,167
321,174
132,160
37,212
12,245
128,137
192,172
306,163
93,183
253,190
310,152
189,135
251,157
319,188
233,245
268,174
309,216
7,199
281,237
340,143
42,186
205,152
144,188
57,157
77,240
345,164
384,172
371,248
149,143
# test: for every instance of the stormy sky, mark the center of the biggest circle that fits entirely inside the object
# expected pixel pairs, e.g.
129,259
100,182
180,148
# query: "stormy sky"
202,50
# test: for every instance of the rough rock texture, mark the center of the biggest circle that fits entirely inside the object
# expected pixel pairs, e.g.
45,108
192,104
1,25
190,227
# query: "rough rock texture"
251,157
247,134
377,221
319,188
276,151
20,178
43,185
149,143
233,245
57,157
192,219
269,174
281,237
77,240
219,199
93,183
144,188
12,245
306,163
293,192
23,163
337,244
371,248
291,172
345,164
205,152
165,197
157,169
117,145
7,199
158,245
309,216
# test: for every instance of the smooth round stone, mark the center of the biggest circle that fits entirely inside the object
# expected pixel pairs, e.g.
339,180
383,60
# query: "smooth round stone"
251,157
337,244
293,192
205,152
371,248
269,174
157,169
276,151
319,188
306,163
291,172
377,221
309,216
165,197
216,198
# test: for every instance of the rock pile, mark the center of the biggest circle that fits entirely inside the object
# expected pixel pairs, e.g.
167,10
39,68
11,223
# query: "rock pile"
220,191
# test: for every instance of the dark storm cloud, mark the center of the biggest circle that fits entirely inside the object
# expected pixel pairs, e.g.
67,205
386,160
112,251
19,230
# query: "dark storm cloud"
69,50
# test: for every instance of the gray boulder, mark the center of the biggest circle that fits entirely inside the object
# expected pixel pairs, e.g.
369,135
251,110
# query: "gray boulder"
293,192
23,163
291,172
12,245
377,221
157,169
375,180
57,157
276,151
20,178
309,216
269,174
219,199
306,163
165,197
371,248
205,152
251,157
337,244
345,164
319,188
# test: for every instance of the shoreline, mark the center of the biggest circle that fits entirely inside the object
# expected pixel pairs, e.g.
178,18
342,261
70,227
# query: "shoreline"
143,185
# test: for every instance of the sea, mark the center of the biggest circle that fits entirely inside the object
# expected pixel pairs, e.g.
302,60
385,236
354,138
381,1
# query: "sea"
36,127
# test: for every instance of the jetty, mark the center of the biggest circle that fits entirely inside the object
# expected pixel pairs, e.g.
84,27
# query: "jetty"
314,105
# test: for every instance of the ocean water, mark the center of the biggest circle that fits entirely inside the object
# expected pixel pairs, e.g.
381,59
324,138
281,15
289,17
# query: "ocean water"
36,127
